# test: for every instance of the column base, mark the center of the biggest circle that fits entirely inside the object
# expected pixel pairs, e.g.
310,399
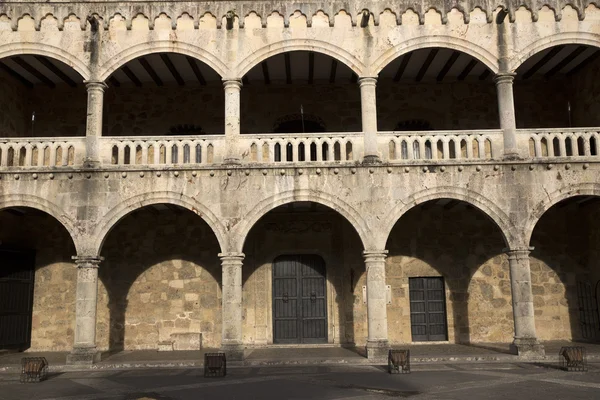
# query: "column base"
232,161
527,348
371,159
377,350
89,163
83,356
233,352
512,155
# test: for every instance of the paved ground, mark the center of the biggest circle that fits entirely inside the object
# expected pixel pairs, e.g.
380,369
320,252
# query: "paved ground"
441,381
277,355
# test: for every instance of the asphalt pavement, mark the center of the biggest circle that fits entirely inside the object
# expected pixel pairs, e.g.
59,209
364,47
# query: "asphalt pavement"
443,381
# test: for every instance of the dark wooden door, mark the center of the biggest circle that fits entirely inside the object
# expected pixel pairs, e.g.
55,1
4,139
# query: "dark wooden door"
428,309
299,299
16,298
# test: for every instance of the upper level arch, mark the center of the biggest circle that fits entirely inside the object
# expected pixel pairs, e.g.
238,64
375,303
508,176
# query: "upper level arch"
285,46
45,50
491,210
41,204
558,39
164,46
477,52
121,210
241,231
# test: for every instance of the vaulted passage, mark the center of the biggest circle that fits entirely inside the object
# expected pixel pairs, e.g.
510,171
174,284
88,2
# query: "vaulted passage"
302,278
160,283
449,278
37,282
565,271
558,87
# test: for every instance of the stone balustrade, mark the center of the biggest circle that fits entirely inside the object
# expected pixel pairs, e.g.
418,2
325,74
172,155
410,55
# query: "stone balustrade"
440,145
569,142
41,152
273,148
306,147
172,150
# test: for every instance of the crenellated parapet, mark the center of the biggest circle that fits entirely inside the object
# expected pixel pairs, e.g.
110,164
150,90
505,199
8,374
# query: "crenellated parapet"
60,15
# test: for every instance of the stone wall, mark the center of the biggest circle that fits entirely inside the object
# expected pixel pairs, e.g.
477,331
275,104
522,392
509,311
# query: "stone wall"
541,104
465,248
322,233
12,106
161,276
58,112
152,111
564,257
585,89
53,319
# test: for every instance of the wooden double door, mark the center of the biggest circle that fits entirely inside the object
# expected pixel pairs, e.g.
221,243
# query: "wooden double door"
16,298
428,318
299,299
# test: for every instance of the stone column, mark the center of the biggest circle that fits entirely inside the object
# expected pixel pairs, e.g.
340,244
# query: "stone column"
368,105
377,341
525,342
233,88
93,129
84,347
232,305
506,111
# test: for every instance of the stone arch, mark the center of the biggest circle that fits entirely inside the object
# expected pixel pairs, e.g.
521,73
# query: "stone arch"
290,45
584,38
38,203
127,206
499,217
477,52
13,49
163,46
240,234
582,189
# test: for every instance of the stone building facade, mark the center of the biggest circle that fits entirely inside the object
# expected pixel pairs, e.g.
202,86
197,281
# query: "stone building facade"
244,174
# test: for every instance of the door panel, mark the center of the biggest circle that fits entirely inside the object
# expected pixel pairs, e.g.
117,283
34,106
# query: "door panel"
299,300
428,309
16,298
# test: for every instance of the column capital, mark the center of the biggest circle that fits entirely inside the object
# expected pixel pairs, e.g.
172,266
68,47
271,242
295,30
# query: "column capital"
232,84
232,256
95,85
367,81
369,255
518,253
504,78
87,261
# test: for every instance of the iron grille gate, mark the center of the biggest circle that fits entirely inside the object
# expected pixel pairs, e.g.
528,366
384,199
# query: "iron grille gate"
16,298
427,309
588,311
299,299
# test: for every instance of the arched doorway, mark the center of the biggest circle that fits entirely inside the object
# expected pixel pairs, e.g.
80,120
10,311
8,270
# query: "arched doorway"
565,273
303,261
37,281
299,299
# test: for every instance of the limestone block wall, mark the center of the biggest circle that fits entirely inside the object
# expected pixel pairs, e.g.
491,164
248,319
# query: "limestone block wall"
465,248
325,234
152,110
53,320
161,276
565,253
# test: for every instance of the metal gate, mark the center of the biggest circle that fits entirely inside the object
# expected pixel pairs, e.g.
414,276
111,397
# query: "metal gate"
428,309
16,298
588,311
299,299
